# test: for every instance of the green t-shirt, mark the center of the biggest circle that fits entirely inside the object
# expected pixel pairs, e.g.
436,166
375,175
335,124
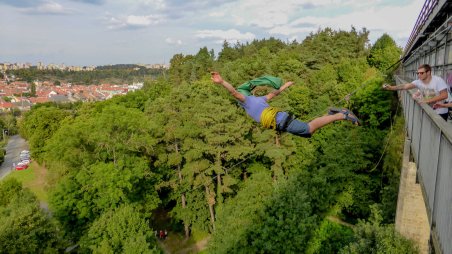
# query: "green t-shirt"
267,80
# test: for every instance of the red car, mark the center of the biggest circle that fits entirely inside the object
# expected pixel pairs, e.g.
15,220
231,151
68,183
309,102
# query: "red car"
21,166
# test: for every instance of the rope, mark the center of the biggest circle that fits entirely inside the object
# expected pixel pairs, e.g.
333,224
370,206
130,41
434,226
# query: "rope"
387,141
345,98
268,118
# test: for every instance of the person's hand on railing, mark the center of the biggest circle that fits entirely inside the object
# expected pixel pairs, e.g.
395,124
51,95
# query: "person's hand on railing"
417,96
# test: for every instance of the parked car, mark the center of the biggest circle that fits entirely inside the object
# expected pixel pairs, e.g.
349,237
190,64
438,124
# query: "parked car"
25,162
20,166
24,157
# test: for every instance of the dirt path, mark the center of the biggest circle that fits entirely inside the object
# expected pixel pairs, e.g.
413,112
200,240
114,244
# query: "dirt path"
163,247
179,245
337,220
40,173
39,183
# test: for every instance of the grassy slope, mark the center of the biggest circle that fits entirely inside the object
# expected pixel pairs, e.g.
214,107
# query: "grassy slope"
32,178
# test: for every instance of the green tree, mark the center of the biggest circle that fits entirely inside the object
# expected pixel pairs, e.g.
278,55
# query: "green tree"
392,164
202,135
384,53
10,123
80,199
176,71
171,128
122,230
106,133
228,53
24,227
280,220
372,237
33,89
100,160
202,63
330,237
222,141
38,125
240,213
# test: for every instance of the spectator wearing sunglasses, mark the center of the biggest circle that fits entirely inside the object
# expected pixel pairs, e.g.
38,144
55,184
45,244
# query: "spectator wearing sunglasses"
431,89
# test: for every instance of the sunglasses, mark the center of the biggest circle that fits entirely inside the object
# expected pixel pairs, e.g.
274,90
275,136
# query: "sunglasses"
420,72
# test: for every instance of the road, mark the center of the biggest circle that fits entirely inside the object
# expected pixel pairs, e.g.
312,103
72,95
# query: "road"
15,145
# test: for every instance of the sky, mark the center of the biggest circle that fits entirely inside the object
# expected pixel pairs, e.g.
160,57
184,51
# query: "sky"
102,32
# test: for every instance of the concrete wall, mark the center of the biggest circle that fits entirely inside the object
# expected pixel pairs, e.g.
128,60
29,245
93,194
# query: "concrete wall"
411,216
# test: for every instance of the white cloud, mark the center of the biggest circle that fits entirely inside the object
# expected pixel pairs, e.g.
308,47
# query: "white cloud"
217,14
172,41
141,20
231,35
173,24
290,30
263,13
132,21
397,21
48,8
157,4
372,18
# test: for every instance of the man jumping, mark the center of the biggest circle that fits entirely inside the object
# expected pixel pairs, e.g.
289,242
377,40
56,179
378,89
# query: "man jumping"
269,117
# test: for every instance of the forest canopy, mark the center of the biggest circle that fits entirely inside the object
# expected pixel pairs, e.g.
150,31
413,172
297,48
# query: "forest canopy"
183,148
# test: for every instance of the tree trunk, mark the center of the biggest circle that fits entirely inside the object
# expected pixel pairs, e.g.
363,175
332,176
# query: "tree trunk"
114,156
211,202
184,202
277,170
276,166
219,186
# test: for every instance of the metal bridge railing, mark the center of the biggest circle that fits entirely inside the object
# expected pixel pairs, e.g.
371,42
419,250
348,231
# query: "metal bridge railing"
427,9
431,146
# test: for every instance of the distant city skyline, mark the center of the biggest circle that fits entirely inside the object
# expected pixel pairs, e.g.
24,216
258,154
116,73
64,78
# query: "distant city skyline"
63,65
107,32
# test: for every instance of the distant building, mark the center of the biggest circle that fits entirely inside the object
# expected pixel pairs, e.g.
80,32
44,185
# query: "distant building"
23,105
59,99
135,86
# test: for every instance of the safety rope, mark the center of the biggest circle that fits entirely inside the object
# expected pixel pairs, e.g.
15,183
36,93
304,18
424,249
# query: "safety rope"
387,140
268,118
345,98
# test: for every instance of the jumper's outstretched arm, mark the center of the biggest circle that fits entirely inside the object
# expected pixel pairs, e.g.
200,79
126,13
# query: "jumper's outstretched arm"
217,79
277,92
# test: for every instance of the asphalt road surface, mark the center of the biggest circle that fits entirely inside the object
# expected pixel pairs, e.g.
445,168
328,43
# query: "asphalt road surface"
16,144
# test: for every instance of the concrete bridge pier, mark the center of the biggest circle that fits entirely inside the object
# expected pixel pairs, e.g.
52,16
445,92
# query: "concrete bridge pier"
411,215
